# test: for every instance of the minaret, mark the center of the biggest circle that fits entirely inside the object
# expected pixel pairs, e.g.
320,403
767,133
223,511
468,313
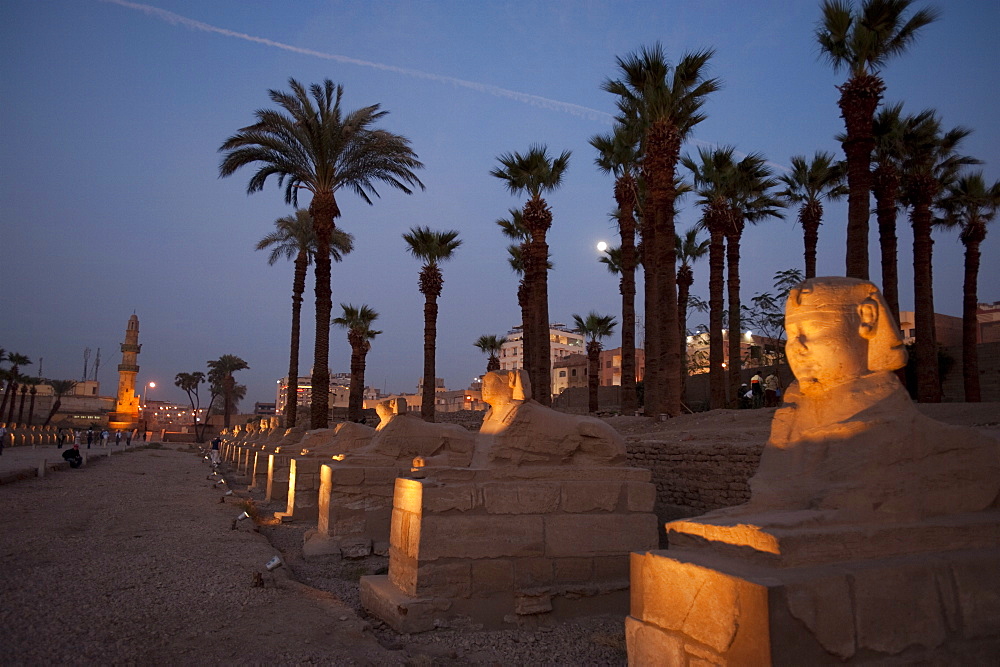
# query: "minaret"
126,413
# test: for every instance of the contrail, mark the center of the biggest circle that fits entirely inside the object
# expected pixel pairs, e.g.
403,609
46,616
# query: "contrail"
533,100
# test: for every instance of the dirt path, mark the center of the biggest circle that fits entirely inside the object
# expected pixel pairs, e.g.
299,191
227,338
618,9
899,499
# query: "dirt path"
134,561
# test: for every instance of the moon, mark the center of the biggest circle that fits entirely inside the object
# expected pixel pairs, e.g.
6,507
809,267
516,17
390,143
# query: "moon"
601,246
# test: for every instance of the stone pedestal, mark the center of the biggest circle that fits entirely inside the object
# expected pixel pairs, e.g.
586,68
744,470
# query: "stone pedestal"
739,594
354,512
278,468
258,478
303,489
511,545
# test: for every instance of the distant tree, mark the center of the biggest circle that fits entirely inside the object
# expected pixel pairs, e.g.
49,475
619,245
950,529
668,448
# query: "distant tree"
189,384
660,105
358,322
594,327
220,377
490,345
766,315
808,183
431,248
862,40
970,205
59,389
618,155
32,383
312,144
689,250
16,361
294,238
535,173
888,130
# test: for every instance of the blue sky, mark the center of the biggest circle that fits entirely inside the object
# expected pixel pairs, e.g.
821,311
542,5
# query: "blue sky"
113,113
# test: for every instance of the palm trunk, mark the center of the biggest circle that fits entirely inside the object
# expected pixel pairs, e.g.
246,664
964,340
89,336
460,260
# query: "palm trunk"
651,377
31,406
735,327
859,98
624,194
355,399
430,335
716,296
928,382
885,186
53,410
593,374
663,146
324,211
12,390
6,395
970,323
538,219
685,278
20,411
810,217
525,298
298,289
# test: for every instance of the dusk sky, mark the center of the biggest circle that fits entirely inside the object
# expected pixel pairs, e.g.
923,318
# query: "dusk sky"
114,111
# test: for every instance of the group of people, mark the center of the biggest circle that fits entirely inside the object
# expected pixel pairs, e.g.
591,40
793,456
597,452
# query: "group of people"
102,438
762,392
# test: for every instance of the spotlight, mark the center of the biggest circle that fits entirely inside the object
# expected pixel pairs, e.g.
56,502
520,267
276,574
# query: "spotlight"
242,516
228,493
274,563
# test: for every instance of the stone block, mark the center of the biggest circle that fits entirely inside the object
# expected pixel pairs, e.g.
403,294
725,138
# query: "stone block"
576,570
532,573
531,603
611,568
356,547
347,475
590,496
897,607
640,496
492,576
408,495
977,584
650,645
445,580
403,613
480,536
518,497
460,497
404,533
569,535
380,475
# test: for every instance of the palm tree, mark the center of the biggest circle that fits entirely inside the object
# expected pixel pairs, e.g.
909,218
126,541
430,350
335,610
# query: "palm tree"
888,131
312,144
594,327
930,160
862,41
294,238
188,383
752,201
535,173
971,205
59,389
25,382
13,377
513,228
617,154
689,250
220,376
431,248
808,184
661,105
358,322
713,174
32,383
490,345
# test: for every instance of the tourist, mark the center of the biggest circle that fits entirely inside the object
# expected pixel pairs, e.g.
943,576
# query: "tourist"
104,437
757,389
73,456
215,449
118,438
128,438
771,391
90,436
76,437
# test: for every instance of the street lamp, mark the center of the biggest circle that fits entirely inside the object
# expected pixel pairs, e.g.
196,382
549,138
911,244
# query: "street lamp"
149,385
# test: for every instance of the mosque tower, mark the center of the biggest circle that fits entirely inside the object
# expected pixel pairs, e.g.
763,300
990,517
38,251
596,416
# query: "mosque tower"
126,413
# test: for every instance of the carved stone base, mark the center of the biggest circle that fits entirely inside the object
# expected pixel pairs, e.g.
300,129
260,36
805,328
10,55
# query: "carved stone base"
693,605
515,545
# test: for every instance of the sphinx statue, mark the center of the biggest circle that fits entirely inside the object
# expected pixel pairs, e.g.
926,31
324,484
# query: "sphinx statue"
849,445
518,430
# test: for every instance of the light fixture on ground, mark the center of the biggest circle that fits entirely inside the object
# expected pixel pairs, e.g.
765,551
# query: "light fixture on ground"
274,563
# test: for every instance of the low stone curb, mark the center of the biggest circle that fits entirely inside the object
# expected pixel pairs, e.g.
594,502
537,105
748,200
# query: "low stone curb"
90,458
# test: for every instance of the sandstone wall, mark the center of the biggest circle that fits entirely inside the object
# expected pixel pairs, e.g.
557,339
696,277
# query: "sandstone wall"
694,477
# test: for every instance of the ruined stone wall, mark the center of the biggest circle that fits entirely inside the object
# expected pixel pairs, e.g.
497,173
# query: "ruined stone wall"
692,478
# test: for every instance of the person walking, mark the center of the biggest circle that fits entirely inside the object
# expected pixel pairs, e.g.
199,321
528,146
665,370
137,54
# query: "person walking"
118,438
771,391
757,389
128,438
90,437
76,437
104,438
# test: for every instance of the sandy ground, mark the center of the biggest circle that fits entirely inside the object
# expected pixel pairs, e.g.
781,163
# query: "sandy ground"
134,559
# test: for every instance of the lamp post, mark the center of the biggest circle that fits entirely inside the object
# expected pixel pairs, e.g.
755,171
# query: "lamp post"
149,385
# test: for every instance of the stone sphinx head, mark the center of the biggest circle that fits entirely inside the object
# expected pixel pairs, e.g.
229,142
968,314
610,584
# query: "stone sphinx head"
501,388
839,329
388,408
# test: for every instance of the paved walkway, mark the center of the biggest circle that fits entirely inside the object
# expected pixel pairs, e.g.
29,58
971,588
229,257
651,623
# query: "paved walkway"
25,461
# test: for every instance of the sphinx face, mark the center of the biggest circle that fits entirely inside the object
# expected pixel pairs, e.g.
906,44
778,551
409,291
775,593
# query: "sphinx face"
824,348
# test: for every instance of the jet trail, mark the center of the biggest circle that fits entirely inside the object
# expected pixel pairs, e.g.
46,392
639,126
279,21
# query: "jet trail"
533,100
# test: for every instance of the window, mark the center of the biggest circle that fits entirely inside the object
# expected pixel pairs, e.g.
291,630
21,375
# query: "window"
562,374
573,372
608,364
